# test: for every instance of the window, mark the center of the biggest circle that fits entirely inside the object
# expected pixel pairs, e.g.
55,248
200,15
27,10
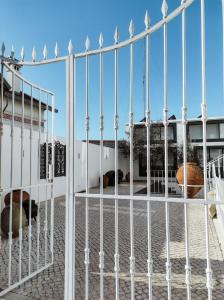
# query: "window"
212,131
195,132
214,153
170,133
59,159
221,128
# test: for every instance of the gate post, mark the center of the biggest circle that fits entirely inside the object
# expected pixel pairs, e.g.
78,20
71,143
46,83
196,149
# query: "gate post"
69,288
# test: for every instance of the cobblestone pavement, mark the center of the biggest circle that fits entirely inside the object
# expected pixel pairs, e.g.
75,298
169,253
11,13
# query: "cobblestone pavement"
49,284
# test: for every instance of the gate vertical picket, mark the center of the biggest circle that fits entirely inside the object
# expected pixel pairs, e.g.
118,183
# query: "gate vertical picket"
154,179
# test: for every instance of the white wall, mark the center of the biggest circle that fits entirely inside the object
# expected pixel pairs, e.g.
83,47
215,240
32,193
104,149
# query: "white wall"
59,182
94,164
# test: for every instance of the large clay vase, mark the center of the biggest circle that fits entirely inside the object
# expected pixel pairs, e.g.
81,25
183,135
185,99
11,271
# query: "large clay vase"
16,197
195,178
105,181
127,177
5,220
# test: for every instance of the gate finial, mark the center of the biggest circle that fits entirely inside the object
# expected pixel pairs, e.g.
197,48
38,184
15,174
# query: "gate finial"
131,28
45,52
56,50
34,54
22,54
101,40
12,52
147,20
164,8
70,47
116,35
87,43
3,49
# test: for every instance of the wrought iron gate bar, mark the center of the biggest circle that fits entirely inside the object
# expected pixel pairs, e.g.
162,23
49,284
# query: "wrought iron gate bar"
184,129
11,181
131,126
204,122
86,251
148,124
23,280
46,184
41,184
197,201
52,179
21,182
30,179
38,204
101,253
116,126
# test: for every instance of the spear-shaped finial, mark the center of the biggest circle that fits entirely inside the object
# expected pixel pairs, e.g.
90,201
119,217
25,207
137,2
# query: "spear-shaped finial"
131,29
22,54
12,52
45,52
56,50
164,8
70,47
34,54
101,40
87,43
147,20
3,49
116,35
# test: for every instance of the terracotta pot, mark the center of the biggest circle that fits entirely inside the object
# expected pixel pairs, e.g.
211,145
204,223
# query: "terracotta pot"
105,181
127,177
5,220
194,177
16,197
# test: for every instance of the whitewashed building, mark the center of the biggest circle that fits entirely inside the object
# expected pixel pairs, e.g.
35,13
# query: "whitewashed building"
215,142
30,158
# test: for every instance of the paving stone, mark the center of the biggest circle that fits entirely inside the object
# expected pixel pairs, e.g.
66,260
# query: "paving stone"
50,283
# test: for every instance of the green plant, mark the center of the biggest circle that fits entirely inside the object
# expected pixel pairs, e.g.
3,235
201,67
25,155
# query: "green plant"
192,155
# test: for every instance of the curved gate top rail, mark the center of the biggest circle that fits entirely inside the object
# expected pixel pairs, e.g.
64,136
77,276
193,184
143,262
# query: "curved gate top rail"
117,45
23,79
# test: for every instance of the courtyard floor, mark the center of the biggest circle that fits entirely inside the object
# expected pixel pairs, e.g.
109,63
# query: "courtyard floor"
50,283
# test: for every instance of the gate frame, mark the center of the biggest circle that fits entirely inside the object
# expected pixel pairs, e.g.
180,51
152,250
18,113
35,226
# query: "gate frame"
5,63
70,60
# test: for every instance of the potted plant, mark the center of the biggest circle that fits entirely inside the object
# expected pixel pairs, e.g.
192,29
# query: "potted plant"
195,178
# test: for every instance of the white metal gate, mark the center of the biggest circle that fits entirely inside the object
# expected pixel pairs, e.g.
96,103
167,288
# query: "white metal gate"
26,241
71,275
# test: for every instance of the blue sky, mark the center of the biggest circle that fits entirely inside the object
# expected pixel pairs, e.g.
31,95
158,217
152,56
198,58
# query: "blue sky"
33,23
